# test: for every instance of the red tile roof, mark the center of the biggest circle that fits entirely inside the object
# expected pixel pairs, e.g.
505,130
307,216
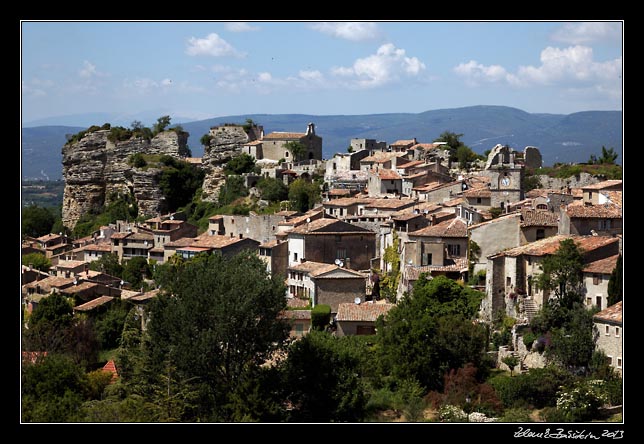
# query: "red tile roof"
577,209
390,204
297,302
538,218
364,312
88,306
103,246
603,266
388,175
296,314
612,314
253,143
403,142
478,192
339,192
346,202
550,245
458,264
277,135
425,146
327,225
110,367
380,157
449,228
313,268
602,185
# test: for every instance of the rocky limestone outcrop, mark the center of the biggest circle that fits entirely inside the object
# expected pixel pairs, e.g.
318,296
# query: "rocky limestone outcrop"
95,169
226,143
581,180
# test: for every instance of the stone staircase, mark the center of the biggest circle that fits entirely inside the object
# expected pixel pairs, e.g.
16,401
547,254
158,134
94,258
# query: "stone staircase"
530,308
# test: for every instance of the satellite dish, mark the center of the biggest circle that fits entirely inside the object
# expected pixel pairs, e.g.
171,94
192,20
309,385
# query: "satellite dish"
308,219
337,262
341,264
75,281
172,217
357,301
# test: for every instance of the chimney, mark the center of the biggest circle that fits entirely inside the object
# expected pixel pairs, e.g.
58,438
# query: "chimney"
347,262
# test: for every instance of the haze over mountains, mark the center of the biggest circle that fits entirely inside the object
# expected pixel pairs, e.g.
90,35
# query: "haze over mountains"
560,138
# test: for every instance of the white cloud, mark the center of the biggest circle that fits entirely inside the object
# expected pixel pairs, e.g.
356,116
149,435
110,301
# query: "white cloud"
212,45
240,27
475,72
145,85
388,65
572,68
32,91
265,77
587,32
314,75
354,31
89,71
166,82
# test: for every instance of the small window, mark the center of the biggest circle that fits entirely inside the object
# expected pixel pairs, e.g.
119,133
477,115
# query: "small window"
479,200
609,360
619,362
589,301
617,332
607,331
597,279
541,233
285,153
598,302
295,256
508,281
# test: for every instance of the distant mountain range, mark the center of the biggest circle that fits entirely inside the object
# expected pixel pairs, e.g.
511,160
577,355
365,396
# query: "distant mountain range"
560,138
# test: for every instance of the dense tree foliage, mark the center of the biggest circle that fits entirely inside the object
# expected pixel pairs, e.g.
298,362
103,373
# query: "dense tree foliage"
37,221
458,151
244,163
135,270
179,181
121,207
608,157
37,261
431,332
616,283
212,327
232,190
303,195
562,273
297,149
108,263
272,190
321,381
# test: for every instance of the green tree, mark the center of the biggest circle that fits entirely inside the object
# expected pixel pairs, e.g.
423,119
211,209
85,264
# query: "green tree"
453,141
179,182
303,195
389,283
214,324
320,317
562,273
511,361
572,346
53,310
244,163
615,283
232,190
272,189
52,390
321,381
609,156
109,324
430,332
162,123
37,260
205,140
108,263
135,270
297,149
36,221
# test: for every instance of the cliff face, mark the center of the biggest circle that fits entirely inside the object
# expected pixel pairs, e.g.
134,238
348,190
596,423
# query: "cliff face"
226,143
95,168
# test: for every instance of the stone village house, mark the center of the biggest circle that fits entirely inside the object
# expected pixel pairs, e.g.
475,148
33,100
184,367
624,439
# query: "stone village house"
610,335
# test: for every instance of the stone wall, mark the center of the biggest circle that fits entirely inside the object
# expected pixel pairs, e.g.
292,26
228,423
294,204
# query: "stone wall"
95,169
555,183
335,291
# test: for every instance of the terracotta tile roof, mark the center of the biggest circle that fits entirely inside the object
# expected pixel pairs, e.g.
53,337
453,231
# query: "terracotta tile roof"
215,241
414,176
110,367
454,202
449,228
278,135
602,185
389,175
346,202
406,216
179,243
216,217
478,192
615,197
140,236
296,302
253,143
88,306
412,164
538,218
296,314
285,213
403,142
300,220
120,235
313,268
458,264
48,237
612,314
127,294
327,225
363,312
577,209
380,157
339,192
603,266
51,282
102,246
498,219
270,244
424,146
70,264
145,296
550,245
390,204
80,287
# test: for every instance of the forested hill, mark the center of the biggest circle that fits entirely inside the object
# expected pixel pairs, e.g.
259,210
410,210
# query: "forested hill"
560,138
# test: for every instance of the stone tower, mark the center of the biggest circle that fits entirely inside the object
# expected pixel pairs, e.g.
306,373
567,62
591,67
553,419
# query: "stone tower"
506,176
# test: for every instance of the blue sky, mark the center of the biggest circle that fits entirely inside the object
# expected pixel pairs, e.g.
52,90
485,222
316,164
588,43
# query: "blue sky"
198,70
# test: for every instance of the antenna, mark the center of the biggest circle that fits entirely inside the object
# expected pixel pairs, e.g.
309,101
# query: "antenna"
357,301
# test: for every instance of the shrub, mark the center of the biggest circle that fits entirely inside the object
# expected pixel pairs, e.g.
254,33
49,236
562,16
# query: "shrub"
451,413
320,316
516,415
536,388
581,401
137,160
528,339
